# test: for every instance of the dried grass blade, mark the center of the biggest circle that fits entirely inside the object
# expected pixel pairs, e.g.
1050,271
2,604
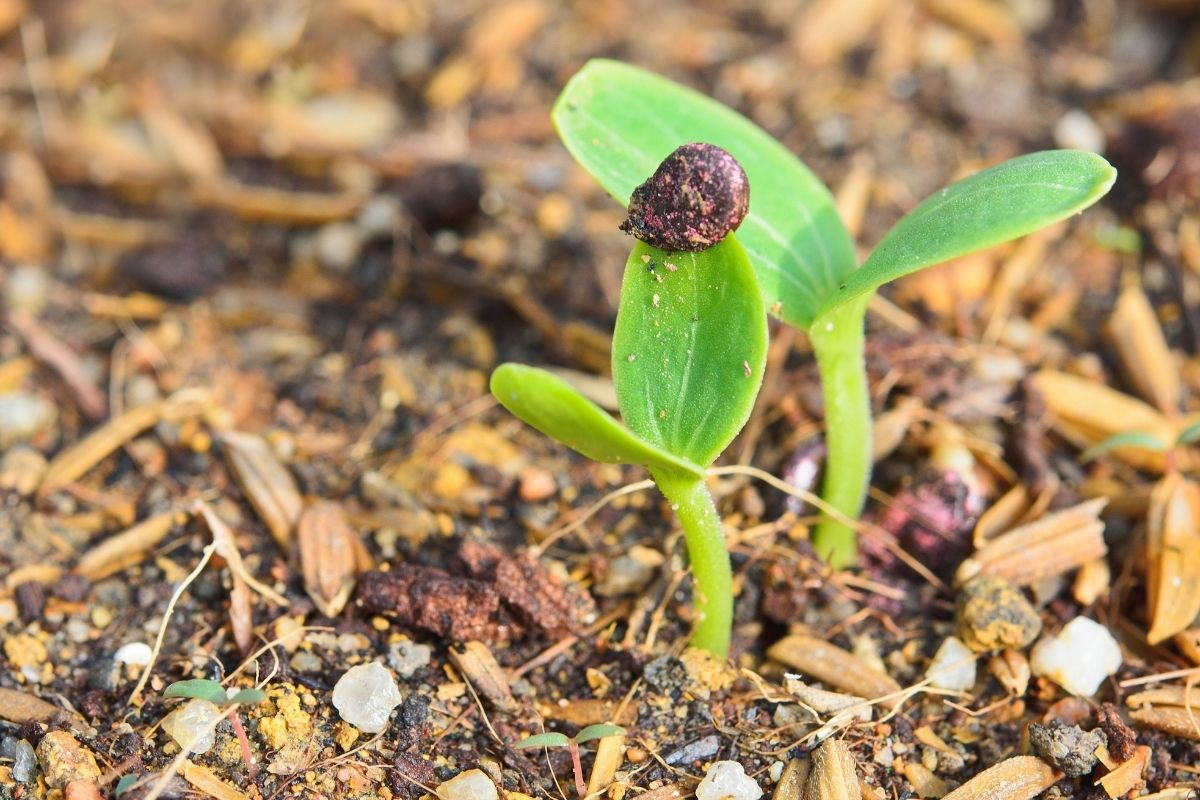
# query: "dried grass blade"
1145,357
329,556
1017,778
207,782
1088,410
227,548
1056,543
120,550
1172,557
267,484
72,463
832,665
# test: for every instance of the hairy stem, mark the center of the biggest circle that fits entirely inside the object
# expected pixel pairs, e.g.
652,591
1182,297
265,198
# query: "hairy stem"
837,339
712,575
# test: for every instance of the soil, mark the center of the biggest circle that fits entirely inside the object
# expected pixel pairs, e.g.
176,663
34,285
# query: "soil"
258,261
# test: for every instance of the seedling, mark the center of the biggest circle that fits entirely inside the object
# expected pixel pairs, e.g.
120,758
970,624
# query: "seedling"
213,692
619,122
554,739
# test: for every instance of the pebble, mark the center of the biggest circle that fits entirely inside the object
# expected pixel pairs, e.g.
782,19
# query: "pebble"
193,726
28,289
338,246
991,615
23,416
470,785
630,572
365,696
21,469
953,666
1076,130
24,768
537,484
138,654
306,661
1079,658
1067,747
727,780
64,759
406,657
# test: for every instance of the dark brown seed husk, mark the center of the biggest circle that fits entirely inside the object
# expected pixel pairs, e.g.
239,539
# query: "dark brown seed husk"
695,198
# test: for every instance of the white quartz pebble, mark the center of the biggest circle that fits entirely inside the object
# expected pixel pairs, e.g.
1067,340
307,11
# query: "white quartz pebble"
138,654
952,667
1079,658
365,696
192,725
727,780
470,785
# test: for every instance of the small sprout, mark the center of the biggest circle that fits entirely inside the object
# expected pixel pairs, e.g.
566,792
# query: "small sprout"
555,739
125,784
697,196
1132,439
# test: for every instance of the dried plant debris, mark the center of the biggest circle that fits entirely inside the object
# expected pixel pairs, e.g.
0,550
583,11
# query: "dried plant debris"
255,264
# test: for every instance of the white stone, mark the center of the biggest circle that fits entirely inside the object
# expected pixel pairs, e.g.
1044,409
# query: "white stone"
1076,130
952,667
192,726
727,780
136,653
23,416
1079,658
470,785
365,697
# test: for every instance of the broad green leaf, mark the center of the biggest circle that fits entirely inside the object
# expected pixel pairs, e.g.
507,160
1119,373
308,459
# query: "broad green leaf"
125,784
598,732
689,347
548,403
198,689
995,205
543,740
1133,439
620,122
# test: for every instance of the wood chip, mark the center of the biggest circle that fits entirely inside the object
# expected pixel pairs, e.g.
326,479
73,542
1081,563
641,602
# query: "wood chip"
923,781
1018,778
1173,708
1172,556
206,781
984,19
127,547
328,556
266,483
610,754
1055,544
828,29
833,775
832,665
1142,348
1126,777
480,668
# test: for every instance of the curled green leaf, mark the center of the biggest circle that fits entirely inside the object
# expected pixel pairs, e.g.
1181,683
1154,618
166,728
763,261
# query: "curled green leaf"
598,732
1133,440
198,689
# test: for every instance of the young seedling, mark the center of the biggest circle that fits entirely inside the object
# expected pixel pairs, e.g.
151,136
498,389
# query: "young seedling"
619,122
213,692
555,739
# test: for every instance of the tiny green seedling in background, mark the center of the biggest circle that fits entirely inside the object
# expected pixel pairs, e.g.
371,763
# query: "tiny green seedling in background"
619,121
555,739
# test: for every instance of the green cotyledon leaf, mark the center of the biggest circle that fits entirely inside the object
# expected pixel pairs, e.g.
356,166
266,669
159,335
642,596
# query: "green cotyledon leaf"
992,206
620,122
689,347
547,402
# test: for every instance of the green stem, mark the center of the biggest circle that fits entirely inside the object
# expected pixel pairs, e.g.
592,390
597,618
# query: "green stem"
712,575
837,340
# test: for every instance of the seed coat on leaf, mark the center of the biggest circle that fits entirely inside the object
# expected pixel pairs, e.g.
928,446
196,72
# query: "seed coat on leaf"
695,198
